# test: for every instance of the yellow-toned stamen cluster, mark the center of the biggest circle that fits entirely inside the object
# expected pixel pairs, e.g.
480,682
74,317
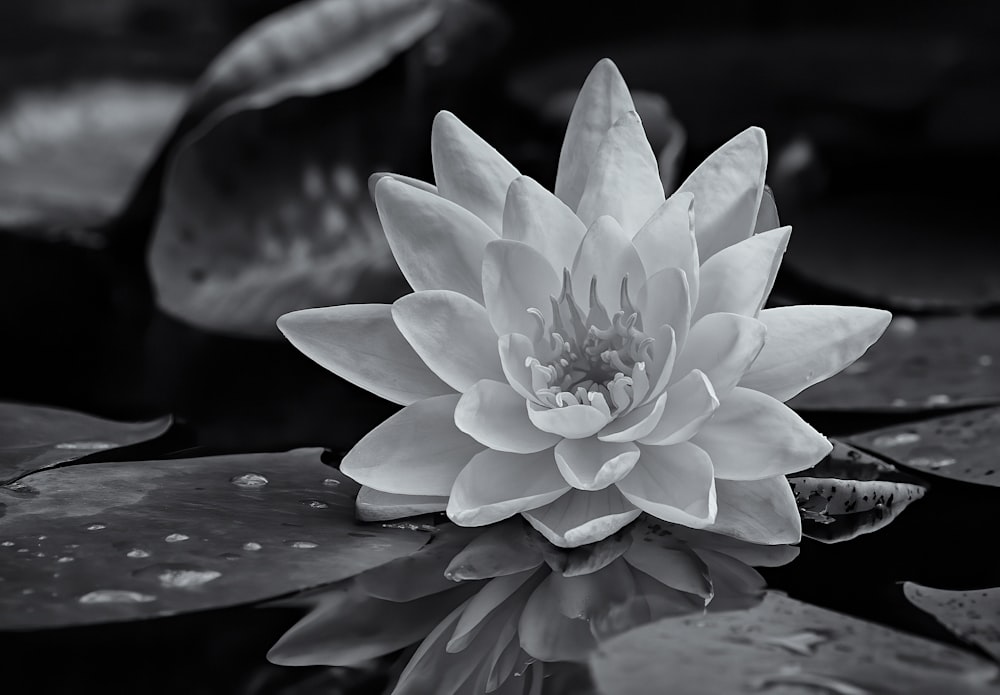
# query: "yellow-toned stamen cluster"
596,359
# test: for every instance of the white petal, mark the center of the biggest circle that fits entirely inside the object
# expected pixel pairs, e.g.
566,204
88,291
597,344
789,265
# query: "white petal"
624,180
571,421
754,436
738,279
727,188
468,170
667,240
417,451
767,214
752,554
360,343
723,346
517,278
580,517
493,414
664,352
636,424
496,485
603,99
409,180
673,483
549,635
538,218
375,505
665,300
437,244
606,252
758,511
807,344
590,464
514,350
452,335
690,403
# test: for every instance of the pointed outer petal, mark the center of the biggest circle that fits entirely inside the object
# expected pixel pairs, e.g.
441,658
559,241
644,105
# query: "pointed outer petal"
807,344
514,349
500,550
360,343
664,351
727,188
590,464
753,554
603,99
487,599
589,595
408,180
580,517
665,300
624,178
672,564
496,485
606,252
634,425
451,334
536,217
437,244
758,511
468,171
421,573
667,240
690,403
723,346
432,669
767,214
737,584
673,483
375,505
494,415
516,278
417,451
754,436
349,628
738,279
571,421
546,633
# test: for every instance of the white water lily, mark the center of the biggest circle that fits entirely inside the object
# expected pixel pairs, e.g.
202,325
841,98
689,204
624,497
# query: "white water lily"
583,357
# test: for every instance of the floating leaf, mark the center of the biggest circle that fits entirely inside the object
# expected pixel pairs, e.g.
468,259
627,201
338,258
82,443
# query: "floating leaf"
34,437
972,615
960,447
121,541
850,493
919,364
785,645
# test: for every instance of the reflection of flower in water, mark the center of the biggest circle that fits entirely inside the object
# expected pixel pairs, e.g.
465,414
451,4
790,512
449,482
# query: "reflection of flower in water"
519,602
584,357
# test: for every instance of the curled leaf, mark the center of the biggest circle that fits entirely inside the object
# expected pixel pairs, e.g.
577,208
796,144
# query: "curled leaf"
973,615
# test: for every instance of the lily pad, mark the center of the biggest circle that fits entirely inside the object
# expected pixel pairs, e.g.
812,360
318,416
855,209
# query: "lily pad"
850,493
918,364
962,446
122,541
33,437
783,645
972,615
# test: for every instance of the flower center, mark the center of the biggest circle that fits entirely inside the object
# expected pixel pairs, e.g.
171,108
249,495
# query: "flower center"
593,359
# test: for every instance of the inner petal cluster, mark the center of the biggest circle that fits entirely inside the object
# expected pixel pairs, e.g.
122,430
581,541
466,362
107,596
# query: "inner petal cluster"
592,359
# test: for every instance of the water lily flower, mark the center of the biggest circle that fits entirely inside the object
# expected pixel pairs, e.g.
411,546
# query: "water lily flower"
582,357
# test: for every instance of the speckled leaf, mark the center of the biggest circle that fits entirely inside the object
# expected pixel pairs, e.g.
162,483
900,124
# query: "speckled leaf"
121,541
962,446
850,493
972,615
33,437
783,645
919,364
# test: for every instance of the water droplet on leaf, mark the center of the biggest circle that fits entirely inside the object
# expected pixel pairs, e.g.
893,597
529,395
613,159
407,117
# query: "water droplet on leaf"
86,446
302,544
898,439
176,538
65,558
251,546
315,504
249,480
137,552
115,596
97,527
331,482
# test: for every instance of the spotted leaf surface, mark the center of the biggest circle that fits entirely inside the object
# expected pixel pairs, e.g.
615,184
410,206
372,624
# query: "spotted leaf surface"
122,541
972,615
782,645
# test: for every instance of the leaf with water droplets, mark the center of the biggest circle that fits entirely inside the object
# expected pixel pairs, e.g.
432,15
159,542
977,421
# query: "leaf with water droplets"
785,646
120,541
960,447
34,437
850,493
973,615
921,364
